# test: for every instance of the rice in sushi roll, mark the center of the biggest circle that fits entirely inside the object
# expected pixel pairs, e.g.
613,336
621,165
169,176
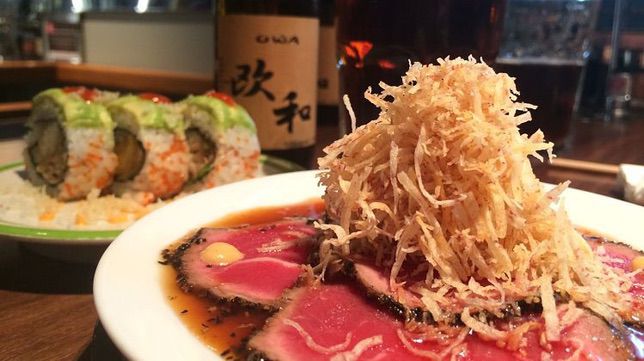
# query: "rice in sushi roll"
151,147
70,142
222,140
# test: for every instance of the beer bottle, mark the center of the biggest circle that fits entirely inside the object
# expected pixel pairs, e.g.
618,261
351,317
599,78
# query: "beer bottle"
267,58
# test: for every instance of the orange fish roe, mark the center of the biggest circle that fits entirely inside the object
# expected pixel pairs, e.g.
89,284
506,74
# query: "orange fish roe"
117,218
46,216
80,219
178,145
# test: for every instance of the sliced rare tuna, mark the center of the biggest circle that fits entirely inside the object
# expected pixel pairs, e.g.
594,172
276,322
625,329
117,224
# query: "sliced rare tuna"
335,322
623,257
405,301
254,264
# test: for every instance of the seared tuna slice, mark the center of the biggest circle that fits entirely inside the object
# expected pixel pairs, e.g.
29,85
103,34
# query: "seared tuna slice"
335,322
403,301
406,302
375,280
623,257
254,264
614,254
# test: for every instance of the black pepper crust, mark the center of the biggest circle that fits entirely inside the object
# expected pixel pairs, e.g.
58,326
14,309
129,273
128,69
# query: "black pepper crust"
253,354
417,314
174,258
257,356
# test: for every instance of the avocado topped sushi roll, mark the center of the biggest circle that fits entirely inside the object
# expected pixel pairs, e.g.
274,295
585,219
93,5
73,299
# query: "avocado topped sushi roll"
151,148
222,140
70,142
141,147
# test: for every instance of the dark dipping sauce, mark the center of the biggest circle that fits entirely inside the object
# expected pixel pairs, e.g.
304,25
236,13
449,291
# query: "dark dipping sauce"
220,329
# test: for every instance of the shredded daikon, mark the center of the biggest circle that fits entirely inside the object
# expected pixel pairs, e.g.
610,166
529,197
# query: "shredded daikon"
549,309
276,246
442,177
570,315
358,349
352,115
482,327
310,342
429,354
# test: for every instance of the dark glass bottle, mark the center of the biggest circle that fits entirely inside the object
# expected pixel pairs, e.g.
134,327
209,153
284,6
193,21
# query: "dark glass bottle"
328,92
378,38
267,57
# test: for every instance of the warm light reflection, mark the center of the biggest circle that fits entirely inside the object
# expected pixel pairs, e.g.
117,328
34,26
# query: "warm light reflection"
358,50
386,64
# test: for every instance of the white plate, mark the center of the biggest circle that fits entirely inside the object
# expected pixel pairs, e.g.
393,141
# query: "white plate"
127,284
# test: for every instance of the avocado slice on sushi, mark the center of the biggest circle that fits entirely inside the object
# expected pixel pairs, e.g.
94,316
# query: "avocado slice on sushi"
49,152
151,147
70,142
202,149
222,139
130,153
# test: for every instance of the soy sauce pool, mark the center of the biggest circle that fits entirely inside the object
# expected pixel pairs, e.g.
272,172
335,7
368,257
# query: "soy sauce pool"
224,329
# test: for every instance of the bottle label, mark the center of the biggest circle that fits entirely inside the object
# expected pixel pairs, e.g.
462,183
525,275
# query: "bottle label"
328,71
270,64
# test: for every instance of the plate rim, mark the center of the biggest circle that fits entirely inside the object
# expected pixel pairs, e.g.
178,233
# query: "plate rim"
104,267
82,237
109,269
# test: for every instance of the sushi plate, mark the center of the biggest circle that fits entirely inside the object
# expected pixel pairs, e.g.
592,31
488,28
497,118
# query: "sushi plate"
12,178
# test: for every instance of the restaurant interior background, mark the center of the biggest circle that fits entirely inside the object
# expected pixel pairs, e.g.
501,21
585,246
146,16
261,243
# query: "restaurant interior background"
177,36
167,46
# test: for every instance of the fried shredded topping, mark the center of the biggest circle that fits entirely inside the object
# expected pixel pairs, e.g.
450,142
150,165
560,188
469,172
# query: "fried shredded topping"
442,178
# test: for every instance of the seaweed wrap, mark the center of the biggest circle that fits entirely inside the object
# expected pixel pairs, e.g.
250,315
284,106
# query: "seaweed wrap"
151,147
222,140
70,142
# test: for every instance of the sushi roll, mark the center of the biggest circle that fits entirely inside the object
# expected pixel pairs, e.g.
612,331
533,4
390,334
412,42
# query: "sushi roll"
151,148
70,142
222,140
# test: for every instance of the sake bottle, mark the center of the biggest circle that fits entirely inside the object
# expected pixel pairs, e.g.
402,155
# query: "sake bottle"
267,59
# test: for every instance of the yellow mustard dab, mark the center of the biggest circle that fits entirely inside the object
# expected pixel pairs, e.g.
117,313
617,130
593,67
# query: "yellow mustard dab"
637,263
221,254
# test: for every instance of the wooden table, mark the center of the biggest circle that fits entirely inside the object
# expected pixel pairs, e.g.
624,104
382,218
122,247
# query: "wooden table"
46,306
598,141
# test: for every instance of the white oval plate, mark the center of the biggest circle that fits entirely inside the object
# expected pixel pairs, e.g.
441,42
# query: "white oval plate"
127,284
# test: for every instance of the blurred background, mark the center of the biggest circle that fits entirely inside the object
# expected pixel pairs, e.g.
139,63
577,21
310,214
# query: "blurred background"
178,36
580,61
